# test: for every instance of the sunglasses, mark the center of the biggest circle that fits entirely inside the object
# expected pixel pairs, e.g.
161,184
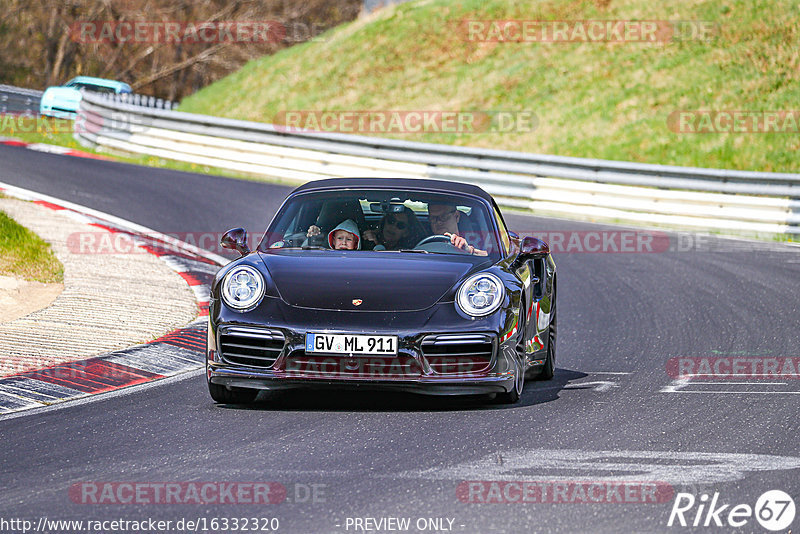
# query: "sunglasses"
441,218
400,225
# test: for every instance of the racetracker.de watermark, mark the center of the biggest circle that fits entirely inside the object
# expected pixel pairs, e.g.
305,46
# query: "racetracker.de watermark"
563,492
705,121
20,123
617,241
91,371
368,367
196,492
559,241
233,32
406,121
733,367
86,122
623,241
587,31
382,367
103,242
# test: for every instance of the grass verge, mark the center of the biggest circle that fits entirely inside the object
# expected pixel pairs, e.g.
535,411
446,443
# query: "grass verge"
25,254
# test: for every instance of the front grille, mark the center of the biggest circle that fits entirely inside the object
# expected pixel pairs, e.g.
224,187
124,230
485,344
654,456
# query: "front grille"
255,347
450,354
299,363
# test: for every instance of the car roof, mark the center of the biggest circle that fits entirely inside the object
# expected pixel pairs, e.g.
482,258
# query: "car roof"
98,81
443,186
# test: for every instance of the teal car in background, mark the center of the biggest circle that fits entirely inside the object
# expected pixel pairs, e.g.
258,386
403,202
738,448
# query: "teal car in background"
63,101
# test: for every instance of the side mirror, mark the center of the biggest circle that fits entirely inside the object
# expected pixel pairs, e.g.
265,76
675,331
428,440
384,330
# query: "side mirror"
235,239
533,248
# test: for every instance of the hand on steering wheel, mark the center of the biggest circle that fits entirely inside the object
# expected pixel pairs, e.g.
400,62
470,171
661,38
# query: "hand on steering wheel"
459,242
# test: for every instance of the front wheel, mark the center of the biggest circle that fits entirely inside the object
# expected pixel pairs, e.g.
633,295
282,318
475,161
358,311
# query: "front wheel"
223,395
550,363
512,397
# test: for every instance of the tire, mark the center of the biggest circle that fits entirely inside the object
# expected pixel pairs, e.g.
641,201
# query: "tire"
223,395
512,397
552,334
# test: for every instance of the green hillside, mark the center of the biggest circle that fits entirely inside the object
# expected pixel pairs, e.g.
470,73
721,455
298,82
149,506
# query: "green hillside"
609,100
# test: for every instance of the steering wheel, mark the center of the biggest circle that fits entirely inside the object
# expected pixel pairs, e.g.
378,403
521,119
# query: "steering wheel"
438,238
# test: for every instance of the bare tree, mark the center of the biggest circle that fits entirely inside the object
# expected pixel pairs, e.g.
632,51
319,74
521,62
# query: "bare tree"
42,43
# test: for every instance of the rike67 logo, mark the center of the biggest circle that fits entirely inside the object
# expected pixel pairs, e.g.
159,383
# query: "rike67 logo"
774,510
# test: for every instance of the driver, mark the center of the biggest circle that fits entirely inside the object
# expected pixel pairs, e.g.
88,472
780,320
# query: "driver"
444,220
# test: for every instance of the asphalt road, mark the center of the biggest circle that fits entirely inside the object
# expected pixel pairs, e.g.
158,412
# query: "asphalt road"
613,412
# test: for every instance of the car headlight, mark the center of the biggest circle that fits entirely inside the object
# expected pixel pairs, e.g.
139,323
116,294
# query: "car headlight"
480,294
242,287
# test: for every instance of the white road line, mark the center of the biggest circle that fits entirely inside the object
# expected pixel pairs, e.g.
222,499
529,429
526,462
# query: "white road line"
18,402
679,385
159,360
183,265
720,383
27,194
52,149
624,465
747,375
201,292
736,392
75,216
29,394
177,266
597,385
107,395
24,383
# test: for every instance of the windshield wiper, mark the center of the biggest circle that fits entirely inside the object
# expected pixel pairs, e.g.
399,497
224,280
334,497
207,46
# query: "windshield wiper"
294,248
420,251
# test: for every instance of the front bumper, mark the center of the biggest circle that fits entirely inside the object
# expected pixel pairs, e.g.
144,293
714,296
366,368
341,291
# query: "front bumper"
442,361
59,112
439,350
498,383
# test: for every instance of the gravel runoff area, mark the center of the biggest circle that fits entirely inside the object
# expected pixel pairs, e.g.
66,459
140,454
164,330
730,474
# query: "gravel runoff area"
109,301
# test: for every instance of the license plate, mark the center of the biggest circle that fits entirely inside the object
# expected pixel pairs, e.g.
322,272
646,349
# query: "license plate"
351,344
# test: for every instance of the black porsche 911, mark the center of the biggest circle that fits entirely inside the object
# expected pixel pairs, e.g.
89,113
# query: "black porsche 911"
414,285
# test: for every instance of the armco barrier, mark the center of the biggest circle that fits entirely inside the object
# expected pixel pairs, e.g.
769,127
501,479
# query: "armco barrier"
712,199
19,100
26,101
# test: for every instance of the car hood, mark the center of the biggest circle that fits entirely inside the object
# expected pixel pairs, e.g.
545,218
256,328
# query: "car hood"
62,94
385,281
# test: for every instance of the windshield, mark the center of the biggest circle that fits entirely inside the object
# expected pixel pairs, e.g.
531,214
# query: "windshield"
385,221
94,88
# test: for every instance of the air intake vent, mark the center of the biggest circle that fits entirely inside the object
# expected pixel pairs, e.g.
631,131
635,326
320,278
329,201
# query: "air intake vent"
366,367
449,354
254,347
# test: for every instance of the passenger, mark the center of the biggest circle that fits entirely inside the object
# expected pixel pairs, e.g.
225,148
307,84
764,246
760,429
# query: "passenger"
397,231
344,237
444,219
